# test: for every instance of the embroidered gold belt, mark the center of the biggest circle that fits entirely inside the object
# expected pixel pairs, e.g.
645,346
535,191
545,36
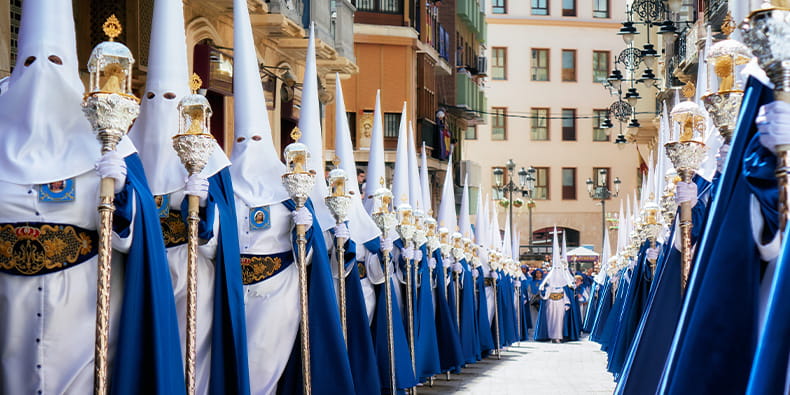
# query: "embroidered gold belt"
556,296
33,248
488,282
174,229
256,268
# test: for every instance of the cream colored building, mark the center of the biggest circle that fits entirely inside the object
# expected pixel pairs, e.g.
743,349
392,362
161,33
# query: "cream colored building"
542,63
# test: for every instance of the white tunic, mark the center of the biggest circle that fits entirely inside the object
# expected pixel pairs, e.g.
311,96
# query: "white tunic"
272,305
48,321
177,261
555,312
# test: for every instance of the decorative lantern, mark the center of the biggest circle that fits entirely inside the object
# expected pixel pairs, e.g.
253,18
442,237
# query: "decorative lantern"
339,200
110,63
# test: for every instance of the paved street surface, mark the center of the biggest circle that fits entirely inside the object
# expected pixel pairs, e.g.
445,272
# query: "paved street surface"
533,368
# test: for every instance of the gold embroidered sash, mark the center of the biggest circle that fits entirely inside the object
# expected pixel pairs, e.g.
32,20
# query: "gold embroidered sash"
31,249
257,268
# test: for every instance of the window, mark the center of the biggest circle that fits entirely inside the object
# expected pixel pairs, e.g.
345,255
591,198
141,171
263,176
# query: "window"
599,133
499,63
540,7
16,18
568,183
569,65
540,64
600,66
391,124
471,133
568,124
601,173
541,183
383,6
352,125
540,124
499,6
499,123
600,8
568,7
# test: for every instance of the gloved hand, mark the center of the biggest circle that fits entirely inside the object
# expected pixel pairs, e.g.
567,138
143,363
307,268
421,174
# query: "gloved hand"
197,185
686,192
112,165
386,244
494,275
341,231
302,216
408,253
721,157
457,268
773,123
567,307
432,263
652,254
418,255
475,273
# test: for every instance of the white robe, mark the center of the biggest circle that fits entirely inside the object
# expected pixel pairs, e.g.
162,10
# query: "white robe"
555,312
272,305
177,260
48,326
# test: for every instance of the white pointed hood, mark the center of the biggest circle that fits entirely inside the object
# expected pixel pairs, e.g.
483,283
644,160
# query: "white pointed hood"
154,129
558,275
45,136
606,252
507,243
400,175
495,239
415,186
425,183
257,169
514,250
360,223
310,125
465,222
375,173
564,247
447,218
481,221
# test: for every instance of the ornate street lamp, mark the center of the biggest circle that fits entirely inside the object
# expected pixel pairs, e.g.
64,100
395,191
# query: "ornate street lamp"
602,192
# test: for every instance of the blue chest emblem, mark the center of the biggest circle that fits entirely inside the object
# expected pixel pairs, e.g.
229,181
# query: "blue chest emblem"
57,192
162,205
260,218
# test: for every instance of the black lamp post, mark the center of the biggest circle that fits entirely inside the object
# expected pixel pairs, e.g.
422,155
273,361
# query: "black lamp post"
601,192
525,185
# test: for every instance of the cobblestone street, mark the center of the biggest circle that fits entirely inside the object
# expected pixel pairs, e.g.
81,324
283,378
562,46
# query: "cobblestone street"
533,368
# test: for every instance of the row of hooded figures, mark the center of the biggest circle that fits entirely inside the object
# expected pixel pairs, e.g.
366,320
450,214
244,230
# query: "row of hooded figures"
214,274
693,299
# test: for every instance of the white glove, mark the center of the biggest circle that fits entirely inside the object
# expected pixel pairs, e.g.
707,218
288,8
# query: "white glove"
652,254
494,275
408,253
341,231
302,216
773,123
457,267
475,273
447,263
721,157
432,263
686,192
112,165
567,307
418,255
197,185
386,244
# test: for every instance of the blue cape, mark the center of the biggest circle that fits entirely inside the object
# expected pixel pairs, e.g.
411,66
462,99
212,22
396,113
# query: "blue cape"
470,343
572,325
450,356
329,364
148,353
704,324
483,325
426,345
361,353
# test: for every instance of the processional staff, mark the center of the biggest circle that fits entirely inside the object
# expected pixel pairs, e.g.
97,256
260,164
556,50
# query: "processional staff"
111,108
194,145
339,202
406,229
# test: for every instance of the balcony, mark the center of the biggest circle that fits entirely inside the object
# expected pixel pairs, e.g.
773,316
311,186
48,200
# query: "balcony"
470,100
469,11
343,28
291,9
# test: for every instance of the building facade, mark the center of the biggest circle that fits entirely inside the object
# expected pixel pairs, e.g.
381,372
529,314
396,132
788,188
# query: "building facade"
547,62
